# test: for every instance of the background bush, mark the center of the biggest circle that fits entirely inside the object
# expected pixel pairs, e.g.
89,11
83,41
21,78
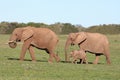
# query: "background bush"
61,28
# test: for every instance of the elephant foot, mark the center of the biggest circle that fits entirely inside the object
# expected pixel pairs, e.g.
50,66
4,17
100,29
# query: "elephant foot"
21,60
33,60
58,60
50,62
86,62
94,62
108,62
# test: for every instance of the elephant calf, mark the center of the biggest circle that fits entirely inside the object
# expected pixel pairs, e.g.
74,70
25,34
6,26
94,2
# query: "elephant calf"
78,54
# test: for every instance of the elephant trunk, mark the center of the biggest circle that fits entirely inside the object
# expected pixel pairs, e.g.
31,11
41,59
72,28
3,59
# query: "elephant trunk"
12,42
66,48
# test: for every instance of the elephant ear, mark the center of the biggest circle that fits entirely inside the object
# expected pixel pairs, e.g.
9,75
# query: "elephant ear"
27,33
80,37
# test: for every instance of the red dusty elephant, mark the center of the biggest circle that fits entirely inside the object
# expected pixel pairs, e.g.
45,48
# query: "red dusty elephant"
41,38
89,42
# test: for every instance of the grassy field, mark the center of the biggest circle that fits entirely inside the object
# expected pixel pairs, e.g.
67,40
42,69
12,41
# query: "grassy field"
12,69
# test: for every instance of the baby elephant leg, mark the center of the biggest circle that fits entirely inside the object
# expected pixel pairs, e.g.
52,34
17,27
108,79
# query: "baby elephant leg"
85,61
81,61
74,61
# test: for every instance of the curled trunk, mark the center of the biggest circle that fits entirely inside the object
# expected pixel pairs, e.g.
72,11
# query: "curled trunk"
12,44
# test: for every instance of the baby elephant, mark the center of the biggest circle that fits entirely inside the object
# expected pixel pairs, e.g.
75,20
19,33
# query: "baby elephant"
78,54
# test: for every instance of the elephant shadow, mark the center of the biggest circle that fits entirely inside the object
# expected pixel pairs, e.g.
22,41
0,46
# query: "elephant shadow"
89,63
17,59
78,62
68,62
13,59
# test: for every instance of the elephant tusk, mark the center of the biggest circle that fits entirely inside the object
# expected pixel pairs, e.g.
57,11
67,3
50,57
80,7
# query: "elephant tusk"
11,41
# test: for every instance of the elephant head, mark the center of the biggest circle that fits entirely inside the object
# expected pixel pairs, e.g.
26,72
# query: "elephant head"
19,34
74,38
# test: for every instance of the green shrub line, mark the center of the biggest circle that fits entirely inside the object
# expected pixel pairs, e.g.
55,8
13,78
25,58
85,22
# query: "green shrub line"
61,28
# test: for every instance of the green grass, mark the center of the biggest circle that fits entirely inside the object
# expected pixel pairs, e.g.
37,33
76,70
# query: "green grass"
12,69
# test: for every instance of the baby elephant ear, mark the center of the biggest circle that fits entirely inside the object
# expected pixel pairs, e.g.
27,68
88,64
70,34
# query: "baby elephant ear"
27,33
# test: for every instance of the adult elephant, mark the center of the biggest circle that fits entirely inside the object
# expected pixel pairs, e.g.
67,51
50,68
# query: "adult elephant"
89,42
41,38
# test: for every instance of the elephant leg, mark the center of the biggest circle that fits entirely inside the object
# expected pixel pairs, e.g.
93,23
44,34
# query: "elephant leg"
52,54
82,61
56,57
50,58
31,51
22,54
74,61
25,46
86,61
107,54
96,59
108,59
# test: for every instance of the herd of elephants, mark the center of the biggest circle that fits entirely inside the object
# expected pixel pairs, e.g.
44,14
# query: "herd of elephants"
46,39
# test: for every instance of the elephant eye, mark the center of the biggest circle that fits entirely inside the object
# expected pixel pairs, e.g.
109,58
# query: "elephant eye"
16,35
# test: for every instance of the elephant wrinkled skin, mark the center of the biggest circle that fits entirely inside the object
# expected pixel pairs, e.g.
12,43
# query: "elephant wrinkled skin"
41,38
89,42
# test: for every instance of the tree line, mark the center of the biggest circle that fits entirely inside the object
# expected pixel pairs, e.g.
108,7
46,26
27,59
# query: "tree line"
61,28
